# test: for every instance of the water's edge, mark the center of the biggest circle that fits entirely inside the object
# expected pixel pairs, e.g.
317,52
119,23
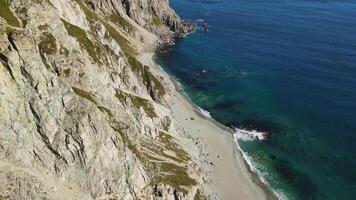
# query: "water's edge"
255,174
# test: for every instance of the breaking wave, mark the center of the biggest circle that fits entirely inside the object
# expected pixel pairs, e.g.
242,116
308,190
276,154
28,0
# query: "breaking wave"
253,167
204,112
245,135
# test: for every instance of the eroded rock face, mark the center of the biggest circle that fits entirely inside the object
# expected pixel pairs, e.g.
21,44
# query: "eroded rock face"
154,15
80,117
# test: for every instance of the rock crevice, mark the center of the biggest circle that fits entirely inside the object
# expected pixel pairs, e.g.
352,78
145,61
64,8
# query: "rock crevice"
80,117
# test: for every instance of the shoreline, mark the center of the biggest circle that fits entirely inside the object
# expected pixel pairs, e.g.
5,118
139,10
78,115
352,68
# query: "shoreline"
240,172
254,175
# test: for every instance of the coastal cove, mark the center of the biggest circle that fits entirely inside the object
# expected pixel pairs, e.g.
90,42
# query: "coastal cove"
178,99
212,145
285,68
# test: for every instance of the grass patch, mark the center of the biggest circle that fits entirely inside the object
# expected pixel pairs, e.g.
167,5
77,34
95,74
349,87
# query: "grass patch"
6,13
162,172
125,139
135,64
88,96
89,14
81,36
168,142
43,27
22,14
121,22
67,72
64,51
3,197
48,44
106,110
122,41
151,82
137,102
199,196
166,123
48,66
175,176
160,151
156,21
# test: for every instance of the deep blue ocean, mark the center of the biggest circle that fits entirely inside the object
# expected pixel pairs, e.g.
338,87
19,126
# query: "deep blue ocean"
286,67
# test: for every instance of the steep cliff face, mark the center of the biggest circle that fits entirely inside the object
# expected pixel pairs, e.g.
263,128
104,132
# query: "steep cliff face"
156,16
80,117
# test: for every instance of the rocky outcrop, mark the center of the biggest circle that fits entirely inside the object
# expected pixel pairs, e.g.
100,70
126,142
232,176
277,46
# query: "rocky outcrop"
153,15
156,16
80,117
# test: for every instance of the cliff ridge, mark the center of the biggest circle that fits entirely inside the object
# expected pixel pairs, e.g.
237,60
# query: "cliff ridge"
80,117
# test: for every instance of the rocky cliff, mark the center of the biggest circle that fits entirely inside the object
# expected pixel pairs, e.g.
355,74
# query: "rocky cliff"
80,117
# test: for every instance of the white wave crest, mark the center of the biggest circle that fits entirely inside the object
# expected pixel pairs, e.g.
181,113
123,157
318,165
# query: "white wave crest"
204,112
245,135
253,167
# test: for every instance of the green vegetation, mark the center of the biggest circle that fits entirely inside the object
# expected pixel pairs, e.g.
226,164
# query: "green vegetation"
162,153
125,139
9,29
135,64
174,175
148,78
166,123
48,66
164,172
156,21
48,44
199,196
2,197
64,51
169,144
153,82
106,110
170,173
6,13
43,27
121,22
86,95
89,14
67,72
122,41
81,36
22,13
137,102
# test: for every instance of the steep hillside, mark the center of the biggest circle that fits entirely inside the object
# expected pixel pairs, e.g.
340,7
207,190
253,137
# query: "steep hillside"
80,117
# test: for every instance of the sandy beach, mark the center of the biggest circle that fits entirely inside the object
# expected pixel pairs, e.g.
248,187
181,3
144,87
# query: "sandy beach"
211,145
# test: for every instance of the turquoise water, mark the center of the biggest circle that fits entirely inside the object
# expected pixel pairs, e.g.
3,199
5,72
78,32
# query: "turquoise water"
286,67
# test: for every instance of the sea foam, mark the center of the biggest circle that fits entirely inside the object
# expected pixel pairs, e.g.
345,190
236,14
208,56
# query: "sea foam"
204,112
245,135
253,167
